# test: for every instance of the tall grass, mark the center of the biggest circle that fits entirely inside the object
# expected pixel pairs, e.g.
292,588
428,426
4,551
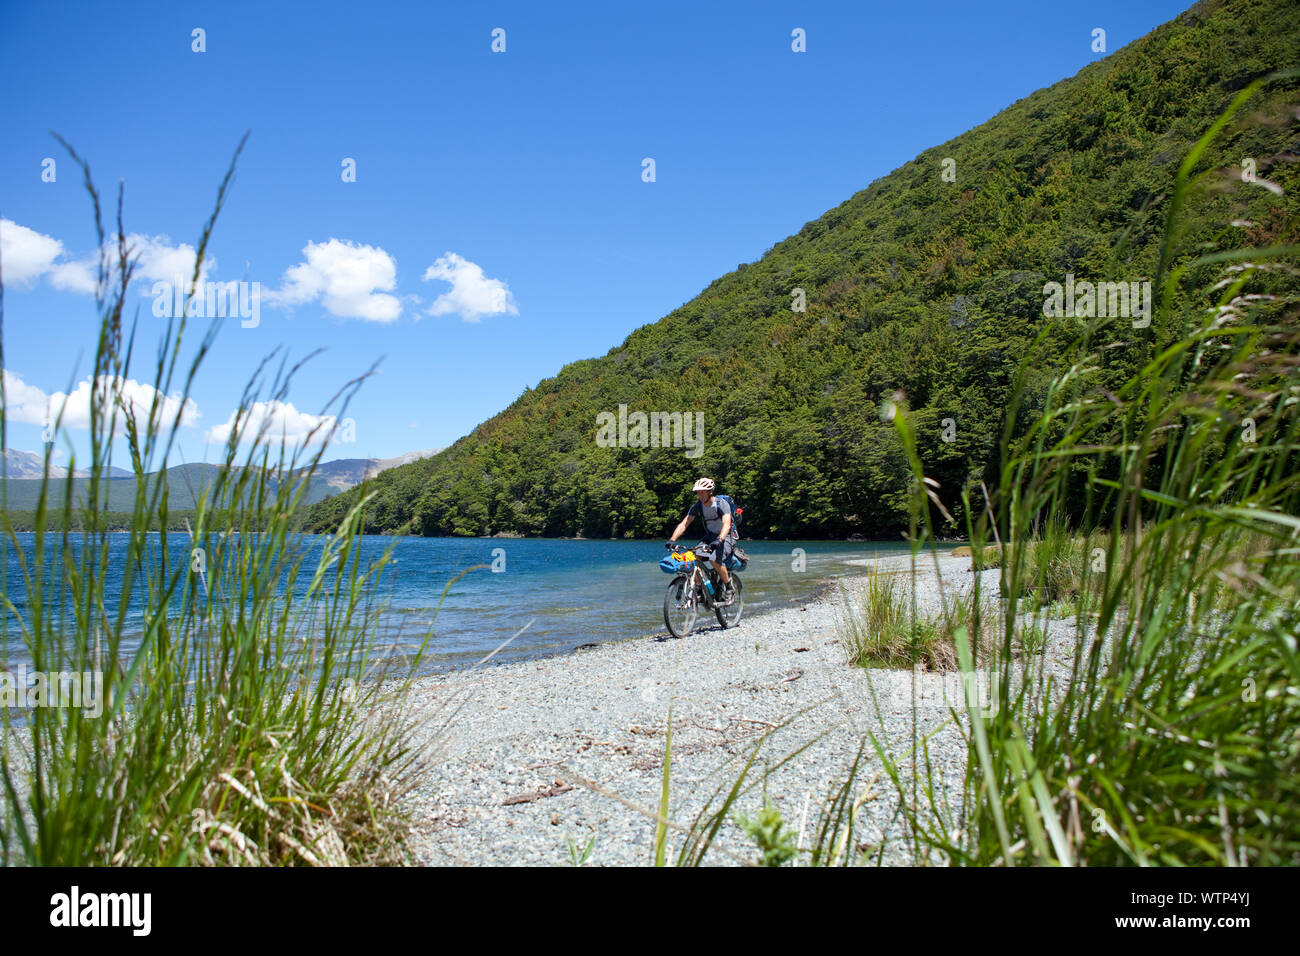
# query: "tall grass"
1173,742
1174,739
1056,562
248,719
881,627
878,628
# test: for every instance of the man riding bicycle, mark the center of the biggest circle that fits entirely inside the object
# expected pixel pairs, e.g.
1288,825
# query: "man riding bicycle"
720,533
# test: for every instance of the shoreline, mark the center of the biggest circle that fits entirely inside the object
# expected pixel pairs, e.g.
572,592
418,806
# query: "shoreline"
532,754
820,589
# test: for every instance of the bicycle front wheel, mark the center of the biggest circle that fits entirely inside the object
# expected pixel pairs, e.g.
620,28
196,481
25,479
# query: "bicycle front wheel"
679,607
729,616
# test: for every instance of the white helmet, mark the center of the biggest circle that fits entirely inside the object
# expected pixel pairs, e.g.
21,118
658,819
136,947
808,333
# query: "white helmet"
704,484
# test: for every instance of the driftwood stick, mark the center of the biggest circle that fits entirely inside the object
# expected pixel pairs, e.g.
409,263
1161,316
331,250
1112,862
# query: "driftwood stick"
539,795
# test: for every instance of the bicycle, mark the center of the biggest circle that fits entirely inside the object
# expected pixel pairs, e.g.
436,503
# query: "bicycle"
695,586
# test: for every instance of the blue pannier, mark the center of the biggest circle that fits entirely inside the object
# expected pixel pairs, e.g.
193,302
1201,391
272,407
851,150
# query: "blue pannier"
682,562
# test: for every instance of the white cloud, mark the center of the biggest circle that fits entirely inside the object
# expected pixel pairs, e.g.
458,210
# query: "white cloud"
24,403
80,276
33,406
25,254
351,281
472,294
157,258
29,255
272,421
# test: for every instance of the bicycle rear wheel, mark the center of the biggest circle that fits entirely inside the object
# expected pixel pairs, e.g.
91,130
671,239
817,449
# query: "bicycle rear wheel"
679,607
729,616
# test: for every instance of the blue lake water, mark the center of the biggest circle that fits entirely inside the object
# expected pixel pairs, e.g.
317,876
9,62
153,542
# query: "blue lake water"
568,593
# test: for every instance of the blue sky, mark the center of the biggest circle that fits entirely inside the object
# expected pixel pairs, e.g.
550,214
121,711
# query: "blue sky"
512,180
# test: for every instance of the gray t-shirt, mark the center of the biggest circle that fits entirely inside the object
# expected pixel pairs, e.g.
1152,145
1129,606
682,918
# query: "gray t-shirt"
712,516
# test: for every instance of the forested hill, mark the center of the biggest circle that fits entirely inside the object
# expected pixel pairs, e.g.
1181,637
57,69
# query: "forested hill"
919,284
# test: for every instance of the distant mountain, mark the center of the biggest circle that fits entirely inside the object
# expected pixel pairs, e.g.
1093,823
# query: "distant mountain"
31,464
185,483
346,473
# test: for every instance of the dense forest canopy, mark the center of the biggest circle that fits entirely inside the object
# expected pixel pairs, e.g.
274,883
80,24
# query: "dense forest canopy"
930,282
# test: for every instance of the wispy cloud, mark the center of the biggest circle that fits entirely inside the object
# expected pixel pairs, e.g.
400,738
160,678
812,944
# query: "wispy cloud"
472,294
30,255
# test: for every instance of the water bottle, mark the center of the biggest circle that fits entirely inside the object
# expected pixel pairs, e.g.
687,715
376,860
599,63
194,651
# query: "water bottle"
708,586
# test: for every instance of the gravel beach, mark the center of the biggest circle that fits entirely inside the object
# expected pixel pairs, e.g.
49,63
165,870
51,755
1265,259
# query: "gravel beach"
535,754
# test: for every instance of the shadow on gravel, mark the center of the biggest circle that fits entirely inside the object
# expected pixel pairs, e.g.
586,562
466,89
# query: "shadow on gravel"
664,636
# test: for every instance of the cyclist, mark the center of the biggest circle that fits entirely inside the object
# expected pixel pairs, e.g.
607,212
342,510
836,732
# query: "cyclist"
720,535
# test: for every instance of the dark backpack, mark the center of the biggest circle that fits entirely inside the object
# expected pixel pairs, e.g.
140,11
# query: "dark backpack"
736,513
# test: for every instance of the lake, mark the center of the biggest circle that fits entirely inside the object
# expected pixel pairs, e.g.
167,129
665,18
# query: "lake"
567,592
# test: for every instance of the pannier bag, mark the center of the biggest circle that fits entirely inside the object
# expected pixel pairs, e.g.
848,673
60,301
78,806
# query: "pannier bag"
682,562
738,561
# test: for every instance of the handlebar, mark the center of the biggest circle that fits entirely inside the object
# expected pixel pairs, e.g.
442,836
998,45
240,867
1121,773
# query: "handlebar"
677,548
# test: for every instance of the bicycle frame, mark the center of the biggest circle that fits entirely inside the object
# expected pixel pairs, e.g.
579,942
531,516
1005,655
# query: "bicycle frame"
695,583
